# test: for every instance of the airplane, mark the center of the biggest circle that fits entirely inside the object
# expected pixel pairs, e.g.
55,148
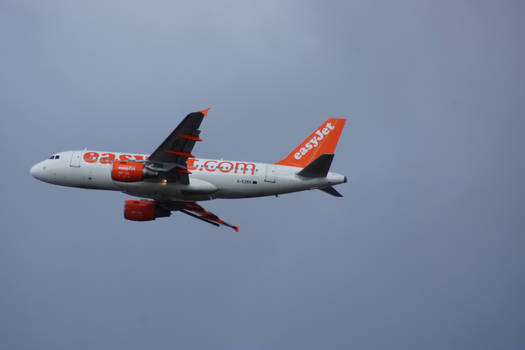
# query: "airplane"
173,179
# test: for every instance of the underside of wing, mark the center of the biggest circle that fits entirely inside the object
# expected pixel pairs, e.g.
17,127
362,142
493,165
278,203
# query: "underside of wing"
195,210
171,156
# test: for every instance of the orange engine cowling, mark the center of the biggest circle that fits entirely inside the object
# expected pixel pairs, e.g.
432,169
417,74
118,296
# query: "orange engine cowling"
129,171
136,210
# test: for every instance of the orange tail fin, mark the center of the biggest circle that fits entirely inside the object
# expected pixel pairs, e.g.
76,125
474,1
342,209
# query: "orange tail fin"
322,140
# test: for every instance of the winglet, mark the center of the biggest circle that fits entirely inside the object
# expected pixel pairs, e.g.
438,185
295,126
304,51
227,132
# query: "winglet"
205,111
236,228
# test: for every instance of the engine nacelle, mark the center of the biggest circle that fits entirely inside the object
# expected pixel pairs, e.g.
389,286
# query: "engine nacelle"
136,210
126,171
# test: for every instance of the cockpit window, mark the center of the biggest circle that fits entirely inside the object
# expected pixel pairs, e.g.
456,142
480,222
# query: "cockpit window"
54,157
57,156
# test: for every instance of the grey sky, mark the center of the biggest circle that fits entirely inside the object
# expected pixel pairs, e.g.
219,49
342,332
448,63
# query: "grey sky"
424,251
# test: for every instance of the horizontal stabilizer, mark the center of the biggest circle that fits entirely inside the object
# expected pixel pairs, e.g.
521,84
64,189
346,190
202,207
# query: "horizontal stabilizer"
319,167
332,191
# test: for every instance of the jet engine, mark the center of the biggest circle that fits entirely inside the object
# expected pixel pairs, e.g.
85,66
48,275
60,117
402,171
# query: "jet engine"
136,210
126,171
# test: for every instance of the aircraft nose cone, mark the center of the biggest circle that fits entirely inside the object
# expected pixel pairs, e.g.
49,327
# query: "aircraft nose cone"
36,171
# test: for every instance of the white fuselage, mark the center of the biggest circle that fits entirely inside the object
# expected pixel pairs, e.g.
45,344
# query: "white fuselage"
209,178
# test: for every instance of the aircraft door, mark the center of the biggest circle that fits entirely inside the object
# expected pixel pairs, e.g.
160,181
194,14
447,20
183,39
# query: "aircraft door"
269,174
75,158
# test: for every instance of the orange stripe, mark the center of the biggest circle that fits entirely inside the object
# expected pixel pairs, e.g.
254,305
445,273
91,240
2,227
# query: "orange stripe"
189,137
177,153
191,204
201,210
184,171
216,219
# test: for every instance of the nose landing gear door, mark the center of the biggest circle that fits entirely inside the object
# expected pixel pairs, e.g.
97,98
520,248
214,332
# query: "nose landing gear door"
75,159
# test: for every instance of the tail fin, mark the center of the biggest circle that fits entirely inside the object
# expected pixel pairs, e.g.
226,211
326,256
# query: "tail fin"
322,140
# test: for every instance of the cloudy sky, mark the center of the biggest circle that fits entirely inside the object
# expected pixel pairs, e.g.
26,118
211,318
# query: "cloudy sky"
424,251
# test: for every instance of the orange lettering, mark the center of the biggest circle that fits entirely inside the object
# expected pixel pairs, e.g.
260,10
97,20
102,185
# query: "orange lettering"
206,165
125,157
244,167
190,164
91,157
228,169
107,158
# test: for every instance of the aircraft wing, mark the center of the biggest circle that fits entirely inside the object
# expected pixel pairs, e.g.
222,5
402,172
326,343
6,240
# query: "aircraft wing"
171,156
195,210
